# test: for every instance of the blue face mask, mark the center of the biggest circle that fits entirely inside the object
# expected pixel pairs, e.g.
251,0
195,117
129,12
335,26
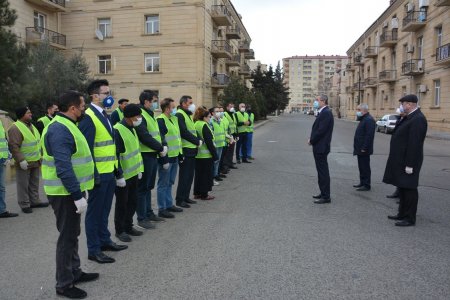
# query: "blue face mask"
154,105
173,112
359,114
108,101
316,104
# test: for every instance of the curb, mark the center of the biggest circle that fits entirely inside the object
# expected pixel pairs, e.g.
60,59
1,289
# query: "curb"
259,124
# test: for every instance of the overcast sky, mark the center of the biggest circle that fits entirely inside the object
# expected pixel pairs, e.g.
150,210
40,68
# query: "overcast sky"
283,28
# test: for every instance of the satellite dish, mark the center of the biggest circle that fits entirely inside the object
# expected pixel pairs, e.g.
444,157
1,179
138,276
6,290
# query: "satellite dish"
99,34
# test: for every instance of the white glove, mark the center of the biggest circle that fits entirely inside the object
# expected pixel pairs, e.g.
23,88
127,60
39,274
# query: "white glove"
139,175
164,152
200,143
121,182
24,165
81,205
408,170
166,166
237,139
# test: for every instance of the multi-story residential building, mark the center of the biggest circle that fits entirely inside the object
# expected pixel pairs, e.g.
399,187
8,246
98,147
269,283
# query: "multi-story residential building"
309,76
406,50
175,48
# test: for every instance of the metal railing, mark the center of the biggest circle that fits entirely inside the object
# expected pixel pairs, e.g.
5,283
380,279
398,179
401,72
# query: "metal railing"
221,46
413,67
370,81
443,53
359,86
59,2
389,36
220,10
387,75
250,54
220,79
41,33
371,51
235,60
415,17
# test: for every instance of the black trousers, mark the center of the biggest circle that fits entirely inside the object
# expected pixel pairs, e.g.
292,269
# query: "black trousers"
364,170
185,179
68,224
222,166
228,159
407,208
241,145
323,174
126,201
203,181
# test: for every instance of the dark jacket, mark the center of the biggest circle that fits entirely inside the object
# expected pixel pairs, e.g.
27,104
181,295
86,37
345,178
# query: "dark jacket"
114,117
406,149
321,132
364,135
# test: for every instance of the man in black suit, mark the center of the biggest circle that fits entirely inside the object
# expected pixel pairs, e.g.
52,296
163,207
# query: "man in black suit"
320,140
405,160
363,145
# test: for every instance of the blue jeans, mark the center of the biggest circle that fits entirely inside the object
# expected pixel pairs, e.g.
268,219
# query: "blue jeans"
2,186
145,186
217,163
99,207
249,144
166,180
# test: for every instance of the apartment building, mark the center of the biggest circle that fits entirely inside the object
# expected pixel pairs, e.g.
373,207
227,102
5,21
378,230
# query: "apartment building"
308,76
406,50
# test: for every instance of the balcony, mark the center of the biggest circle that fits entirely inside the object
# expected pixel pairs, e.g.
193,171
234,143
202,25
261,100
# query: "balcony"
370,82
52,5
219,81
235,61
220,15
250,54
350,67
233,33
371,52
387,76
245,71
443,55
39,34
220,49
442,3
244,46
413,67
357,61
414,20
359,86
349,89
389,38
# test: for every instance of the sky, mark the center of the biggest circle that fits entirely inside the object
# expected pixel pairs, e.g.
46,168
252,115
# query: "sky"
284,28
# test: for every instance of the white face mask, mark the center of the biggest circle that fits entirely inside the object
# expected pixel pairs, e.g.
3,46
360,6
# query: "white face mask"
222,114
232,110
191,108
217,114
137,122
242,109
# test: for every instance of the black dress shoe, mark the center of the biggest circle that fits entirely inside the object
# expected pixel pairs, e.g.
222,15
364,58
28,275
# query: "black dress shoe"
223,176
363,189
319,196
39,205
113,247
27,210
123,237
190,201
72,293
8,214
174,209
134,232
246,161
357,185
183,204
394,217
404,223
86,277
233,167
101,258
322,201
393,196
238,161
165,214
218,178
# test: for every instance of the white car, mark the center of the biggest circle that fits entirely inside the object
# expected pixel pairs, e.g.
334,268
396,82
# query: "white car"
387,123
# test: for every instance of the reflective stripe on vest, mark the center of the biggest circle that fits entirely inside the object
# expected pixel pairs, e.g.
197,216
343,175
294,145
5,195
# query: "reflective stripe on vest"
203,151
252,120
131,159
3,142
30,144
241,118
190,127
232,122
104,147
173,138
45,120
153,130
82,163
219,134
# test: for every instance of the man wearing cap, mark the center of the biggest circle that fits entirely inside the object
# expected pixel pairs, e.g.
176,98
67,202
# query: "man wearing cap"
4,161
130,169
42,122
405,160
23,140
117,114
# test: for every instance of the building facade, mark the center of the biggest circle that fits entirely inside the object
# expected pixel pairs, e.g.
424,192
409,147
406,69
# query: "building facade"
405,51
309,76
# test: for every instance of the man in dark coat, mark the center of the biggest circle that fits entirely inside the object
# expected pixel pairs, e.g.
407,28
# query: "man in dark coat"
363,145
320,140
405,160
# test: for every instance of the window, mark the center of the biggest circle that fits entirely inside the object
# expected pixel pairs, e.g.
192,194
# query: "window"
418,93
437,92
151,24
404,90
420,47
151,62
39,21
104,64
104,25
438,36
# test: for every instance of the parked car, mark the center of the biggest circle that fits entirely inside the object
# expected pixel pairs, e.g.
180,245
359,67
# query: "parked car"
387,123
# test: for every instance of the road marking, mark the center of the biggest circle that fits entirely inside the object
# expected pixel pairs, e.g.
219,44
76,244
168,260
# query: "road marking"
272,141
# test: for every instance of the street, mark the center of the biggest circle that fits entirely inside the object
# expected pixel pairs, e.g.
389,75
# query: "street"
262,237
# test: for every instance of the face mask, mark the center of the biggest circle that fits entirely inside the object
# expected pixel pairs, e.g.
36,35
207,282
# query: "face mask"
316,104
191,108
173,112
401,109
218,114
108,101
242,109
154,106
222,114
359,114
137,122
232,110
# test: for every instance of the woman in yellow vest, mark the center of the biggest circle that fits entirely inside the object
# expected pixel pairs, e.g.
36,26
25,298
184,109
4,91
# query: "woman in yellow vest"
219,140
4,161
206,156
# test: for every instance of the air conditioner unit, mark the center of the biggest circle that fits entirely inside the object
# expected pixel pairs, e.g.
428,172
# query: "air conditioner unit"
385,24
410,49
422,88
394,23
410,7
424,3
420,66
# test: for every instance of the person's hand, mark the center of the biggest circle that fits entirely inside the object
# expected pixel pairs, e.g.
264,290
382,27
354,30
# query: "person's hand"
166,166
139,175
24,165
309,142
164,152
81,205
121,182
6,162
408,170
200,143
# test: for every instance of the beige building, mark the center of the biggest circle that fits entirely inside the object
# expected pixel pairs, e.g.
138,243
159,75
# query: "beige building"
175,48
406,50
309,76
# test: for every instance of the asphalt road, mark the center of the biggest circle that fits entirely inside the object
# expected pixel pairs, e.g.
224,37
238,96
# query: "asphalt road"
262,237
